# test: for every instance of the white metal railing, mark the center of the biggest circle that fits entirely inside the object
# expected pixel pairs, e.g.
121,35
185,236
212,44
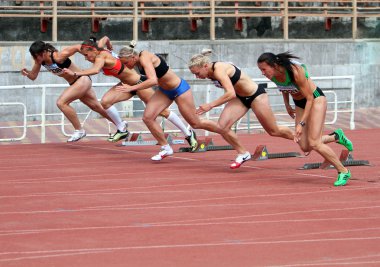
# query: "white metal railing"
44,122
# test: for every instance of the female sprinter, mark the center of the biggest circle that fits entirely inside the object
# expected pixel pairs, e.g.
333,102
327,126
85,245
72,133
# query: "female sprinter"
171,88
292,77
106,61
55,61
240,92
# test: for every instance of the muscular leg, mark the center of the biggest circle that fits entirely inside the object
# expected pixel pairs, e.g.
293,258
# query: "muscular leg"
110,98
316,122
232,112
90,100
155,105
185,103
74,92
263,111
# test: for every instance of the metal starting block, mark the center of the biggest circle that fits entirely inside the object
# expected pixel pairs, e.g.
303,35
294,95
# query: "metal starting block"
206,145
345,157
261,153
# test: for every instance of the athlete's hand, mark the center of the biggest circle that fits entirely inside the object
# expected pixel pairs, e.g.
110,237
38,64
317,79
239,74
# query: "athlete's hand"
297,133
203,109
291,111
24,72
68,71
123,88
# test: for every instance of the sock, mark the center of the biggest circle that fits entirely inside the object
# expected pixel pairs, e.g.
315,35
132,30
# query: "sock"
336,136
166,147
173,118
114,115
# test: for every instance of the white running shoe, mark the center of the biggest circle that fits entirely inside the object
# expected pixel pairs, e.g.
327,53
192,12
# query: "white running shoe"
240,159
77,135
162,154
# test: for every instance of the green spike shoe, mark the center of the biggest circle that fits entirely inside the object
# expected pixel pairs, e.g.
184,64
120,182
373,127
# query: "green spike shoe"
342,178
343,140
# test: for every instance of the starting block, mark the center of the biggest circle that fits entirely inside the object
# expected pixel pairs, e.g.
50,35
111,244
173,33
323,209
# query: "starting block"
136,139
345,157
206,145
261,153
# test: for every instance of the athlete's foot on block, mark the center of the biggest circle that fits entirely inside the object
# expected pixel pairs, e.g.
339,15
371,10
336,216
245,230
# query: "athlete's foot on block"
192,140
77,135
342,178
343,140
119,135
240,159
162,154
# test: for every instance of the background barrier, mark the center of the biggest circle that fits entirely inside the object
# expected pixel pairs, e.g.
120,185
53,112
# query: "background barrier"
339,90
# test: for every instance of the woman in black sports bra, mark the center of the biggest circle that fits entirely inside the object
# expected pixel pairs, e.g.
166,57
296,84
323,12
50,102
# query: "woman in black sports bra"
107,61
55,61
240,95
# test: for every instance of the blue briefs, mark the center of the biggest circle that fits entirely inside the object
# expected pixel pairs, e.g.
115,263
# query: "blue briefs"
172,94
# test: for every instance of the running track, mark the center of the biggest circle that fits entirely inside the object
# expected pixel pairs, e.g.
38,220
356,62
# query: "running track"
99,204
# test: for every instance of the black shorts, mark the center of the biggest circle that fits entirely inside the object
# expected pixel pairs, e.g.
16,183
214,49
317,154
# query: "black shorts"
302,102
247,100
78,79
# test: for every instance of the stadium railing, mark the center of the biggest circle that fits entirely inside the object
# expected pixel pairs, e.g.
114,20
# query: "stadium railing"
144,11
339,90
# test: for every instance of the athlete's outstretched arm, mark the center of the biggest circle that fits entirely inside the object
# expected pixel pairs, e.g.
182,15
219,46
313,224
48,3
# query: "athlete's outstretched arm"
67,52
32,74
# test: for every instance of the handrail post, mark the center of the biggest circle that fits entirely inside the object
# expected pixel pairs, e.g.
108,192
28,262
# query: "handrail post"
135,20
43,115
354,19
55,21
212,20
286,20
352,118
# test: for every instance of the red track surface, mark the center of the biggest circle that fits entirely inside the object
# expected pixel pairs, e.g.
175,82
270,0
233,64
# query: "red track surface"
97,204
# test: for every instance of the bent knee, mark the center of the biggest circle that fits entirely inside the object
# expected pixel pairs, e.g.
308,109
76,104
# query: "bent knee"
274,132
105,104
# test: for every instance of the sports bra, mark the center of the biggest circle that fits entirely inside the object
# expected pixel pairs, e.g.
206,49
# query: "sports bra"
161,69
288,86
57,68
234,79
116,69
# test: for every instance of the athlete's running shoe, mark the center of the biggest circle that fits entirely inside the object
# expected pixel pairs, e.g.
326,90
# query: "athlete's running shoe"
162,154
342,178
119,135
240,159
192,140
343,140
77,135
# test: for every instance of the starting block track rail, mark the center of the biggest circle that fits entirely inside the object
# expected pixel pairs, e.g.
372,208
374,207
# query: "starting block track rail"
261,153
206,145
345,157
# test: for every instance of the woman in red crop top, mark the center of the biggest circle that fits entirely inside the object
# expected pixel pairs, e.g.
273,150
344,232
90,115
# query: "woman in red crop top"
108,62
240,95
55,61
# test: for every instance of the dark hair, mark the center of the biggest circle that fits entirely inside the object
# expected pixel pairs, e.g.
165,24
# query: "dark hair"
39,47
91,44
282,59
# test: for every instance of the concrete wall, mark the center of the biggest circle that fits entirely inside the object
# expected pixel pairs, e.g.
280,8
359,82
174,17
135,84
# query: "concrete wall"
323,58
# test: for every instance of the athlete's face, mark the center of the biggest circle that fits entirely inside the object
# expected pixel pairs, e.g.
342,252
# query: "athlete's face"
200,72
39,58
266,70
89,54
129,62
